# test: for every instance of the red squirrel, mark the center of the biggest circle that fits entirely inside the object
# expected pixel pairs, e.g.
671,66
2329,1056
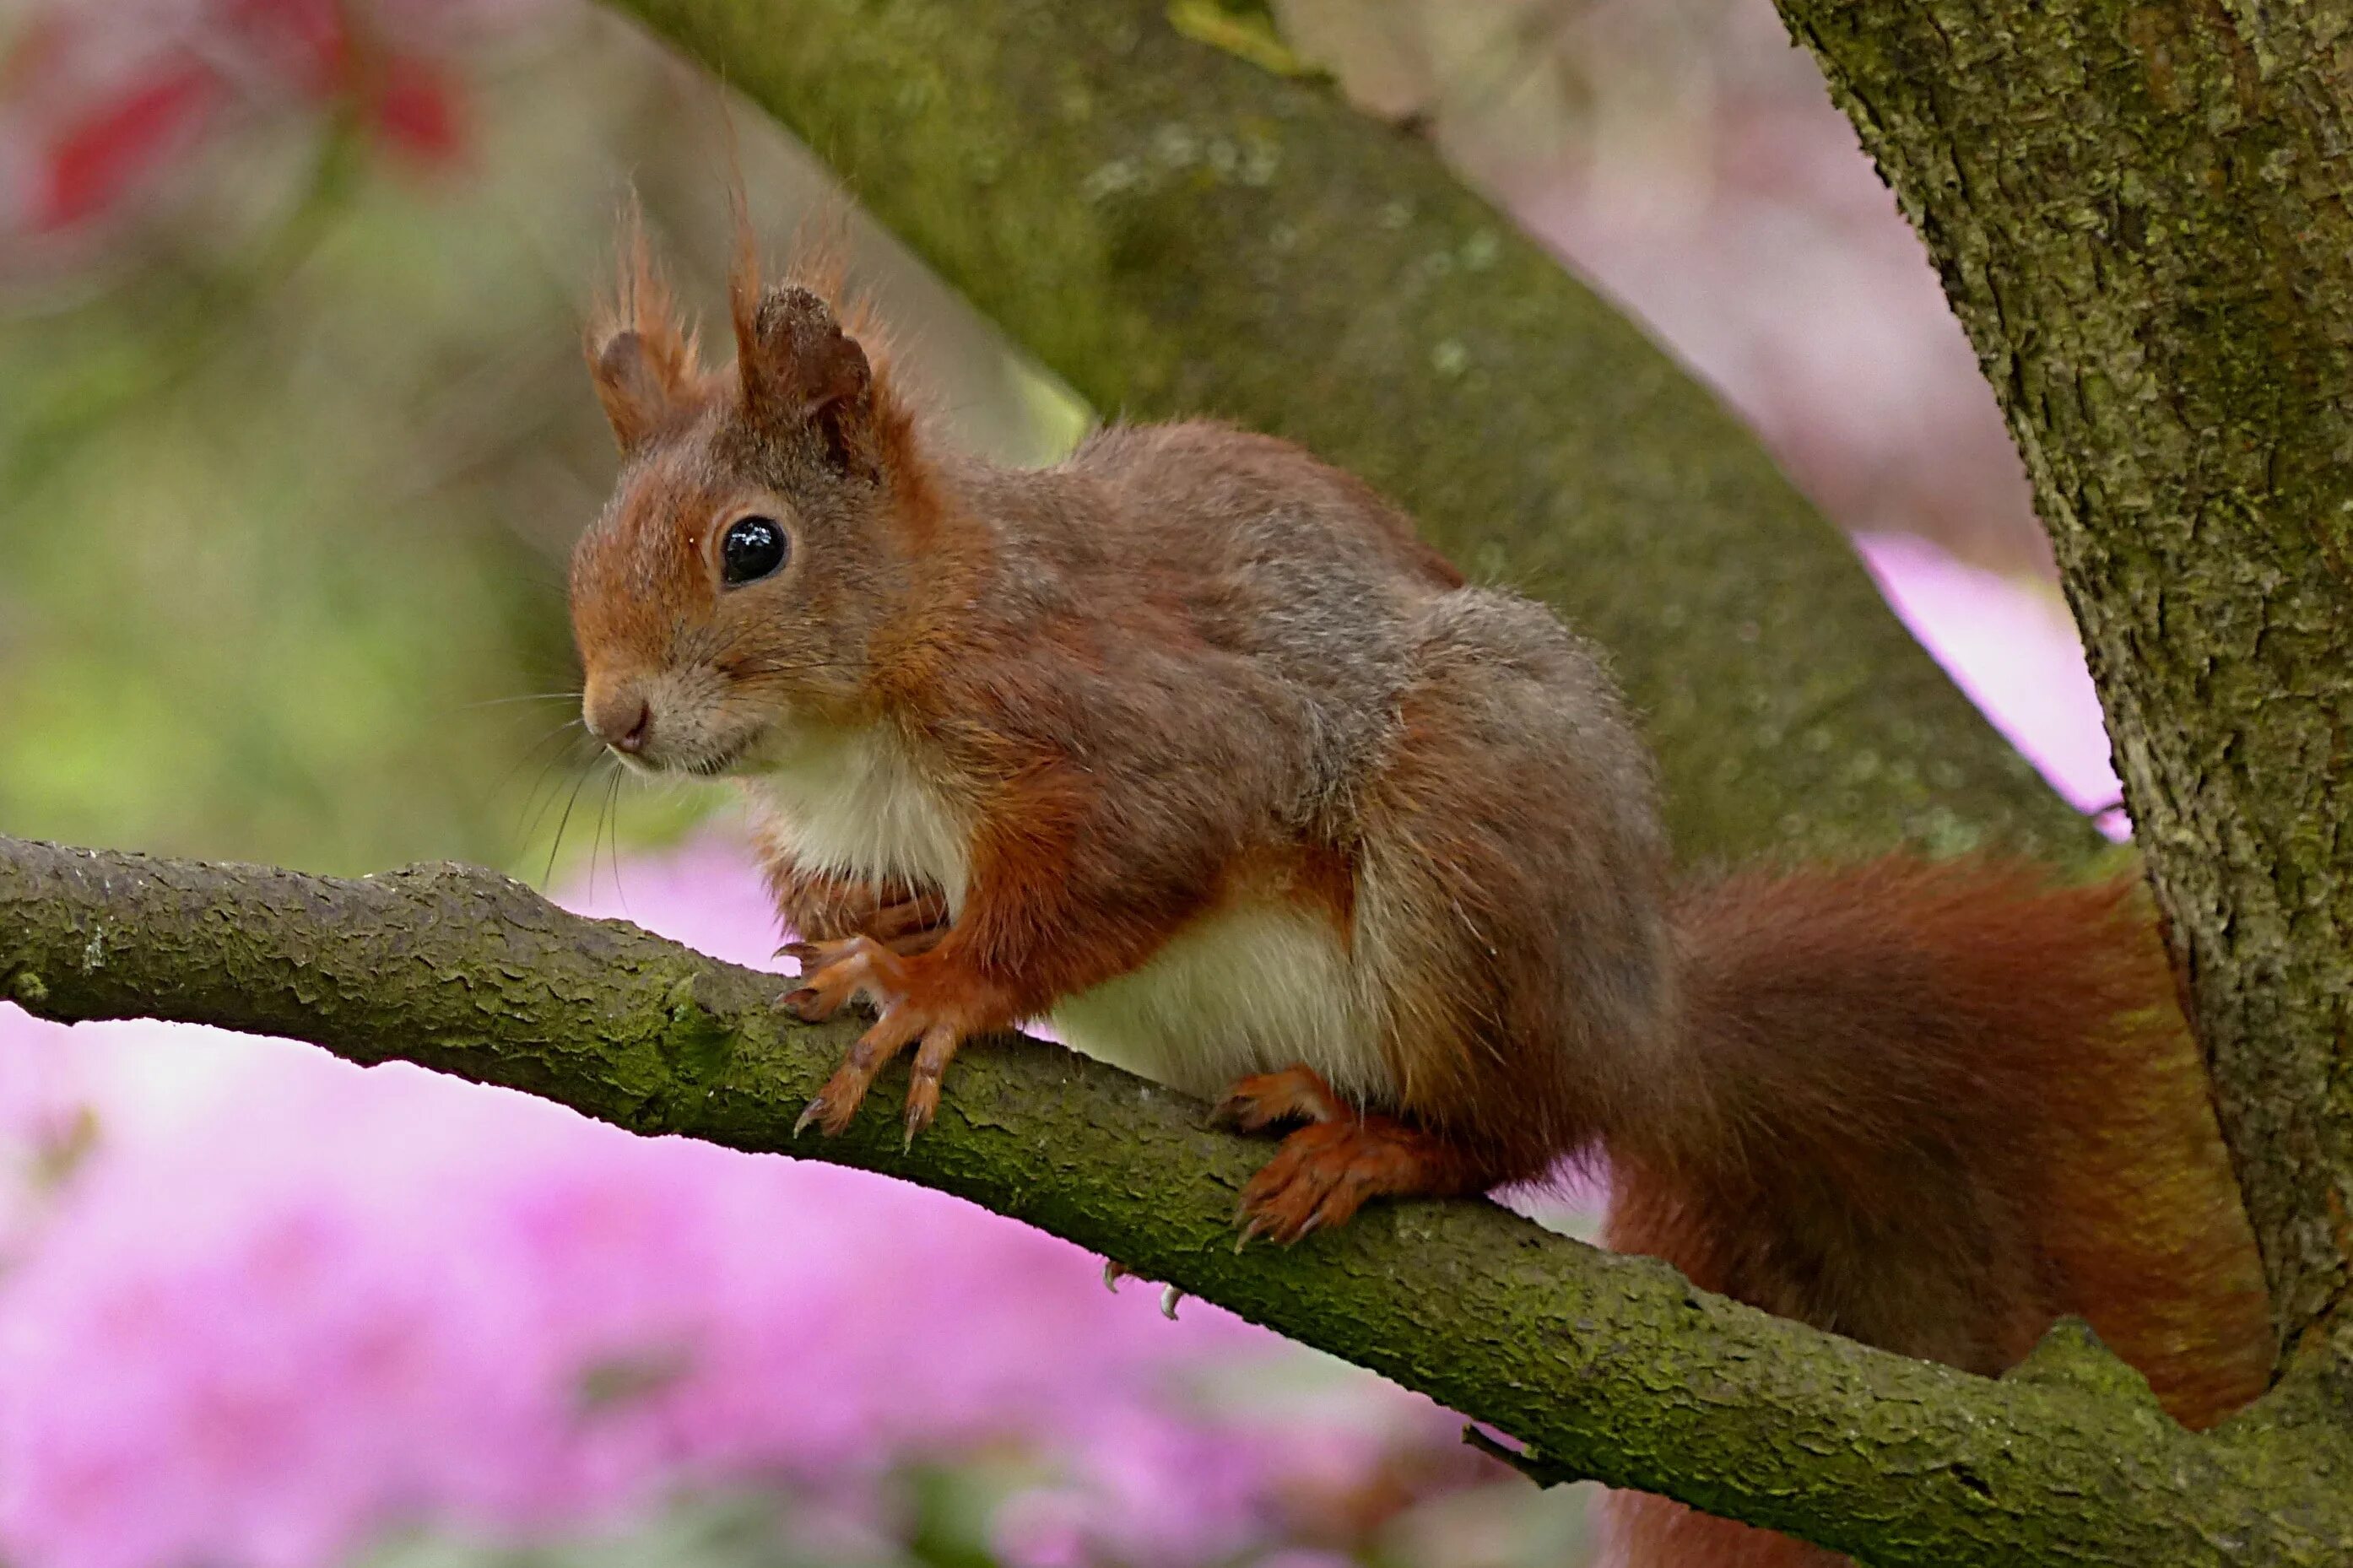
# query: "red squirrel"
1189,745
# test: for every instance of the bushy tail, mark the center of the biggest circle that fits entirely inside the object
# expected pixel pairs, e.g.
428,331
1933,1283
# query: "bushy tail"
1933,1107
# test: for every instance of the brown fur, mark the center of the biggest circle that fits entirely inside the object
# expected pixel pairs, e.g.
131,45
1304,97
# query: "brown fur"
642,356
1192,740
1933,1108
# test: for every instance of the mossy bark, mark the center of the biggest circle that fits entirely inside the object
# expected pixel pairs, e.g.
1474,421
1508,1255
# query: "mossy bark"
1178,231
2140,213
1612,1367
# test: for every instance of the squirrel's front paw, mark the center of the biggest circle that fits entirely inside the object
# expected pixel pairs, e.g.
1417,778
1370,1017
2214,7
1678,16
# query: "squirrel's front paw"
1274,1099
833,971
901,1023
864,966
907,927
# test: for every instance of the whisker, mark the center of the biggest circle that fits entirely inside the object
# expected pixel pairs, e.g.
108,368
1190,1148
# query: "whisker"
563,752
546,798
547,878
530,752
612,812
526,697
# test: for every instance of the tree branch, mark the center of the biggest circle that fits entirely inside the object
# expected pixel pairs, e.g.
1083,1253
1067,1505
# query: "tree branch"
1608,1367
2140,214
1178,232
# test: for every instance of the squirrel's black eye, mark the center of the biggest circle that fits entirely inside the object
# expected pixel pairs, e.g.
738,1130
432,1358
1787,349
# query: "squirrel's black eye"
751,547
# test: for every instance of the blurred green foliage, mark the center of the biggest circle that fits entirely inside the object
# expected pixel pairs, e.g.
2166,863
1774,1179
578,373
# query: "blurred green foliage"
944,1515
291,458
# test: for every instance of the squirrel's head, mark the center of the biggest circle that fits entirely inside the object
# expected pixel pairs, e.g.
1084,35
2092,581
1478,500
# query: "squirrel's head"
759,535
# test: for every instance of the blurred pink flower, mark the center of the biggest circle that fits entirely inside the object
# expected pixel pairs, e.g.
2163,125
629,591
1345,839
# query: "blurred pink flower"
1712,188
287,1304
100,150
2011,645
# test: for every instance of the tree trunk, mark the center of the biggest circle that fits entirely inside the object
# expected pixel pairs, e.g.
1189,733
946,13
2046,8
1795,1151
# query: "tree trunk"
2139,212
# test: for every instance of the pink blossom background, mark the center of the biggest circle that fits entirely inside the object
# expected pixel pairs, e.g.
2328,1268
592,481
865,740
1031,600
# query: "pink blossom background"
282,1304
101,99
2009,643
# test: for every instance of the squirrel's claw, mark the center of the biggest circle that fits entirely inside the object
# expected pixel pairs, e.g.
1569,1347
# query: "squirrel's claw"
1324,1171
901,1025
938,1049
902,929
1309,1176
839,1100
866,966
835,971
857,966
1115,1271
1274,1099
804,1004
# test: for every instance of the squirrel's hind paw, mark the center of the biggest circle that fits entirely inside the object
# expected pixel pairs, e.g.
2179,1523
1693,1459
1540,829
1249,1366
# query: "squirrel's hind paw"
1324,1171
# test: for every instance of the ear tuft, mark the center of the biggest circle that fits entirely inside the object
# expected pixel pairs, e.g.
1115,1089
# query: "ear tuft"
642,355
630,384
807,363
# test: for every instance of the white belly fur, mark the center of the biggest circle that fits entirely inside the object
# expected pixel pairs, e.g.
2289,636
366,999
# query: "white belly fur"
1251,988
856,804
1255,987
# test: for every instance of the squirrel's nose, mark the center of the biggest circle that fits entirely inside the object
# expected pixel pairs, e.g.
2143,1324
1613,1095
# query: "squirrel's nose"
620,718
633,739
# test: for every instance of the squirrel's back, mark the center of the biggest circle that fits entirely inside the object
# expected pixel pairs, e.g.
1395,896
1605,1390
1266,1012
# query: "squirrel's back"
1217,486
1193,597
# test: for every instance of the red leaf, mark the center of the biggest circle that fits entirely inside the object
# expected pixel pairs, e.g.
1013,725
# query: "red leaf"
416,109
100,155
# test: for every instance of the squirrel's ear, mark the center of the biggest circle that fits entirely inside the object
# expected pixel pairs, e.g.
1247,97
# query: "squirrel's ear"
801,371
641,352
638,384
